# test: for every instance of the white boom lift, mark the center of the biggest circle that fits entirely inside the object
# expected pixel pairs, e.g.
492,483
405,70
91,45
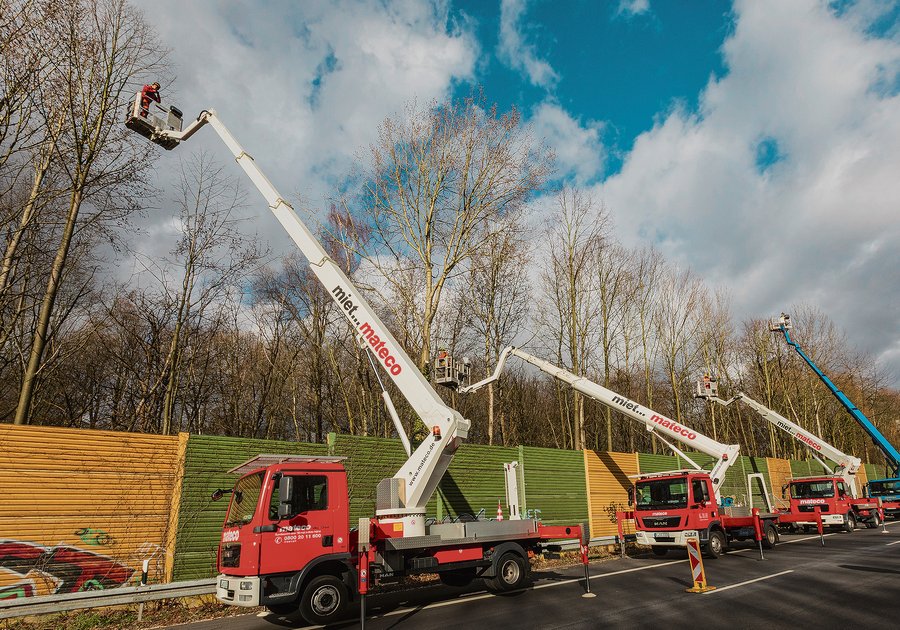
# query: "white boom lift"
402,498
847,465
725,454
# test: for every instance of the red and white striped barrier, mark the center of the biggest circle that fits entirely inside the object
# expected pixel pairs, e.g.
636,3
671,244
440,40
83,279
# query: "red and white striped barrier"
698,574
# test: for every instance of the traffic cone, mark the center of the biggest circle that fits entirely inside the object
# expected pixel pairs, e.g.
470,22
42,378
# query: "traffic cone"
499,511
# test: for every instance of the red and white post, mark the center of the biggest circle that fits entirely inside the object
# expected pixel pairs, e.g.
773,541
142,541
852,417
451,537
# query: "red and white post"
698,574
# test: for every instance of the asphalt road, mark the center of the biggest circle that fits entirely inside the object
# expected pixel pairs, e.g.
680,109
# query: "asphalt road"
853,581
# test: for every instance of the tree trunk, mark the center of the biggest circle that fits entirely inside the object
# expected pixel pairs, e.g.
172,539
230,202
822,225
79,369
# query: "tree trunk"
26,394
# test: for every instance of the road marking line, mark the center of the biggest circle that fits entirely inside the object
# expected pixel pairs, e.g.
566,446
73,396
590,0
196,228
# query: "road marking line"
796,540
719,589
603,575
896,542
475,597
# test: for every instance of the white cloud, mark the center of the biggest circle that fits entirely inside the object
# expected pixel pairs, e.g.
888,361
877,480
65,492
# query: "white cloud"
516,52
304,86
579,150
818,226
630,8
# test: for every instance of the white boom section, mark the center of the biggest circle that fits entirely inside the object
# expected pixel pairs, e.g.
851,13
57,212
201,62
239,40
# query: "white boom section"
725,454
423,470
847,465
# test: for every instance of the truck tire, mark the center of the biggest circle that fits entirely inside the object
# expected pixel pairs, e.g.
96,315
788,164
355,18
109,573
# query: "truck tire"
457,577
849,522
715,547
511,574
659,550
770,536
324,600
874,520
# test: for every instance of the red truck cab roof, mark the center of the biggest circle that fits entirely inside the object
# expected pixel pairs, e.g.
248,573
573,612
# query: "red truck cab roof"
261,462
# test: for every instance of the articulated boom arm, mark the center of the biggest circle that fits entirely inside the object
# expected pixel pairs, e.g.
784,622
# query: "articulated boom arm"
425,467
783,324
847,465
725,454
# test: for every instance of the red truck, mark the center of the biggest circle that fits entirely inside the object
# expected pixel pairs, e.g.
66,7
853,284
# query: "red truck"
834,494
838,508
669,505
287,544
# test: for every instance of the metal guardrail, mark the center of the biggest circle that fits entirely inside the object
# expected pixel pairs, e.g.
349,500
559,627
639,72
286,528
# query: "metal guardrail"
112,597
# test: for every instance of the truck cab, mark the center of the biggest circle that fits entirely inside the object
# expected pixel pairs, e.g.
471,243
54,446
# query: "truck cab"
666,505
831,496
288,515
888,490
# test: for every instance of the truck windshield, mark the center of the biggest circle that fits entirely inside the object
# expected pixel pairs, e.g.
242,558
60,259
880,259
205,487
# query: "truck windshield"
812,490
884,487
661,494
244,500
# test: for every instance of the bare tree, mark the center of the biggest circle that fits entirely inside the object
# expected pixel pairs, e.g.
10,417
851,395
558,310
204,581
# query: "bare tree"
214,255
101,48
498,302
569,285
440,175
612,280
681,298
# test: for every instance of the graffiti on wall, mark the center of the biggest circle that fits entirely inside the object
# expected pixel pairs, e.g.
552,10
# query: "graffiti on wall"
94,537
68,569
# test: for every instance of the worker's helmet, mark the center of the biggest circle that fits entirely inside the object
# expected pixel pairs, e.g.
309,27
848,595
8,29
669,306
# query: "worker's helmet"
155,84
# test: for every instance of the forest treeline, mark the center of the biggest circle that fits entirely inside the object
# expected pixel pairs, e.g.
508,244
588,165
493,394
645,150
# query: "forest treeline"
455,227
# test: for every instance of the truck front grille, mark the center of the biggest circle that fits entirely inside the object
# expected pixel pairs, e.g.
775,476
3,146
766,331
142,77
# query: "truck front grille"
231,554
661,522
812,508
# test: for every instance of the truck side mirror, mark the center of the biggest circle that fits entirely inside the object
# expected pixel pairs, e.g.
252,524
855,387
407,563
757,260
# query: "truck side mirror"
631,496
285,497
784,491
221,492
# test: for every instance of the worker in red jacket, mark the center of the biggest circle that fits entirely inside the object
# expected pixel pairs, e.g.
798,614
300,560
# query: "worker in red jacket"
148,93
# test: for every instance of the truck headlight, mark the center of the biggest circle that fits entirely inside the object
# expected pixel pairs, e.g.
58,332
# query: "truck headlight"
246,586
223,583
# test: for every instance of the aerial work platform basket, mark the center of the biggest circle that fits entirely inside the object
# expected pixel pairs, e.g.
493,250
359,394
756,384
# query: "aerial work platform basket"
151,120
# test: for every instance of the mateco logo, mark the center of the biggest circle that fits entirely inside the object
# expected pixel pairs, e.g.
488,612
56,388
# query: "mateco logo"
366,331
674,427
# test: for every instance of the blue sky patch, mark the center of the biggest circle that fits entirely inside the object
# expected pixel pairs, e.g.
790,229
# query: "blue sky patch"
768,154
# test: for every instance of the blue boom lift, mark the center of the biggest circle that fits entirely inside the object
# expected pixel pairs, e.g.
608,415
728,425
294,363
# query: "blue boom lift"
888,490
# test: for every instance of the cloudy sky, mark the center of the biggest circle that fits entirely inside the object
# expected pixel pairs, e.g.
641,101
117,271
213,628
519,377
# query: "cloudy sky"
757,142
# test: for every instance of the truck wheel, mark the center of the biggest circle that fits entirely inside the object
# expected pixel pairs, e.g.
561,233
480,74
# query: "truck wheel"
659,550
715,547
770,536
324,600
457,577
849,522
512,573
874,521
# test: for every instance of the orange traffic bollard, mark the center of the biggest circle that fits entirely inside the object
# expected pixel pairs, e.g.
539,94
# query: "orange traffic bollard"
698,574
